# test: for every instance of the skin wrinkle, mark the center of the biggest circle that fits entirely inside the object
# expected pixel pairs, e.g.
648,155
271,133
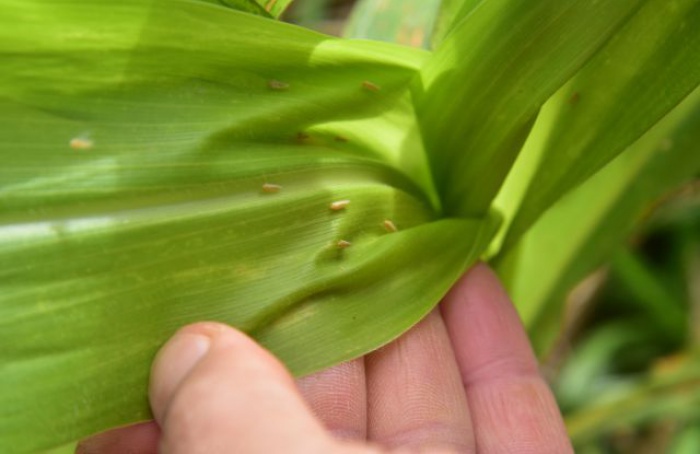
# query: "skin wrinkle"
411,401
338,397
516,416
421,437
493,370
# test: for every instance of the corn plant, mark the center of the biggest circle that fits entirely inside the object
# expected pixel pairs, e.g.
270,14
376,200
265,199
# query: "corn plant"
170,161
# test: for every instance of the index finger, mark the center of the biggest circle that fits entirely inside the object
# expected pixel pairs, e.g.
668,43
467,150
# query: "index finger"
512,408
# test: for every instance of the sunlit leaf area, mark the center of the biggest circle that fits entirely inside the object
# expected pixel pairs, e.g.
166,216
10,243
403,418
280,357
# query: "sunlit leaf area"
318,173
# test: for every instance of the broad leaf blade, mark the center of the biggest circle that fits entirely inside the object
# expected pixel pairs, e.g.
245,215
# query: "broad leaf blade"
645,70
584,227
488,80
436,254
158,169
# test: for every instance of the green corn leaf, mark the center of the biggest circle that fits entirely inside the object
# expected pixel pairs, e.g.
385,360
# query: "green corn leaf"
645,70
65,449
583,228
488,79
248,6
407,22
159,169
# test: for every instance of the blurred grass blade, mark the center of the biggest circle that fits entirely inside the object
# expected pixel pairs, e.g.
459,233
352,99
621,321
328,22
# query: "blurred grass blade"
159,169
669,393
582,229
590,368
642,73
407,22
651,294
488,80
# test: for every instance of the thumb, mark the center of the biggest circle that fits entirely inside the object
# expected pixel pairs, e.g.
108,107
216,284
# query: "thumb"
214,390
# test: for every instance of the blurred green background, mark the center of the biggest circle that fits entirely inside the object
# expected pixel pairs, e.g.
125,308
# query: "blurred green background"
625,360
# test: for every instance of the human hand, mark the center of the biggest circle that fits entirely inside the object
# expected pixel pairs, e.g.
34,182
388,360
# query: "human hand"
462,380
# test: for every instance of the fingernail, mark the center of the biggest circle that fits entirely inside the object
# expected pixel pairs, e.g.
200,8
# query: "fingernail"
172,364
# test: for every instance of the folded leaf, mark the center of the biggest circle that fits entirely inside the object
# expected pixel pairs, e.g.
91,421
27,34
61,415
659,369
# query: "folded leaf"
488,80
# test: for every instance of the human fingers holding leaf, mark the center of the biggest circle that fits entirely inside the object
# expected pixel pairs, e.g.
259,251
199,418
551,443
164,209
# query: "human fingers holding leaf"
463,380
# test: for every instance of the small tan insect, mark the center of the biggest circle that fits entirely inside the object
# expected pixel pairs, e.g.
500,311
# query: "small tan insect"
81,143
339,205
302,136
271,188
278,85
342,244
342,139
390,226
575,97
370,86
